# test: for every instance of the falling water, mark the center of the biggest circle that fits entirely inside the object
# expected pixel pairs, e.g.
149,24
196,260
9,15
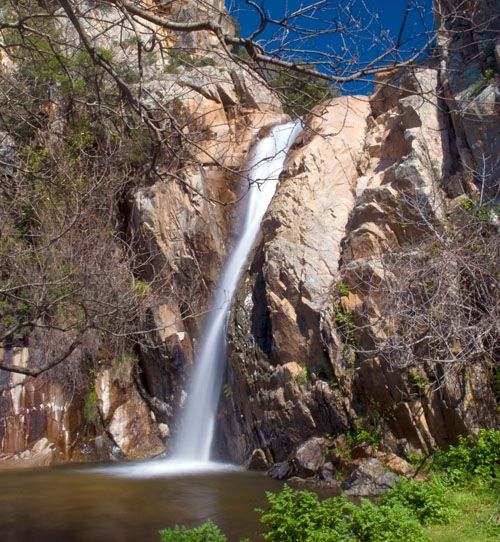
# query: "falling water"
198,419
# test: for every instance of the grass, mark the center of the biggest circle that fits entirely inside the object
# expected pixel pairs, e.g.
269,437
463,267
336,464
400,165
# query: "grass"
478,518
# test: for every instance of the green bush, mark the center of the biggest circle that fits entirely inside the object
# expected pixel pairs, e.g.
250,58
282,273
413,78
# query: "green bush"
427,501
207,532
300,516
473,457
363,436
343,288
384,523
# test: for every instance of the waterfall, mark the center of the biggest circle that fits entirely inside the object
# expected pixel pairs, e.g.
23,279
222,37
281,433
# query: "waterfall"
198,418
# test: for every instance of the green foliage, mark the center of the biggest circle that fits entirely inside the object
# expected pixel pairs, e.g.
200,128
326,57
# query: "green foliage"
418,380
228,391
479,210
384,523
369,429
363,436
91,409
302,377
472,457
179,57
205,61
487,76
416,458
300,516
345,322
301,92
207,532
343,289
427,501
142,288
333,383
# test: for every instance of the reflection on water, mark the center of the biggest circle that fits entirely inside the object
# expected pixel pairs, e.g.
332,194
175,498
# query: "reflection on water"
87,504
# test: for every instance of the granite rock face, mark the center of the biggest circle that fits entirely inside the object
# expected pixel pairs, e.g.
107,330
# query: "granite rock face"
284,354
467,41
370,180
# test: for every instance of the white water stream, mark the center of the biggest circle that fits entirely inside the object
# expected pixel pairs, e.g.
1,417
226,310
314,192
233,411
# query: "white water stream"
198,418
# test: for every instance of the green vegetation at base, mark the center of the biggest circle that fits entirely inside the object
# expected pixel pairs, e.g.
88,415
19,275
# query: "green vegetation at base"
401,515
208,532
459,502
474,459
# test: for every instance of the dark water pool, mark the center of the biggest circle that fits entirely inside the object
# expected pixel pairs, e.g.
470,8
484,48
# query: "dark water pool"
126,503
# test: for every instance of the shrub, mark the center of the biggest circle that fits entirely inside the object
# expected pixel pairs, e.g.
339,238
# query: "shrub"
207,532
299,516
344,320
300,92
384,523
426,501
363,436
471,457
91,408
302,377
343,288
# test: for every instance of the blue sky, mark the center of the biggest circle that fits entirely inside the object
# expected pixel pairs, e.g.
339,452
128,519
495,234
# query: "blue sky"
367,28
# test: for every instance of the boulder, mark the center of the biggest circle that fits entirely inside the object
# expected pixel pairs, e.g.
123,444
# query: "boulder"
370,479
43,454
282,470
310,457
258,461
395,463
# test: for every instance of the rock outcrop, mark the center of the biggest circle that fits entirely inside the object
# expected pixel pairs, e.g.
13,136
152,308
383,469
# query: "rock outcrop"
283,371
369,180
467,41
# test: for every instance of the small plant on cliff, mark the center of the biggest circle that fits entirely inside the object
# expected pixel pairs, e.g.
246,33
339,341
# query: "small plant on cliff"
302,376
343,289
363,436
142,288
482,82
301,92
344,319
91,408
418,381
227,390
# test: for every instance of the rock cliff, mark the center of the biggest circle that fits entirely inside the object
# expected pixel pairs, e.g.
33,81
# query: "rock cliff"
369,189
320,344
